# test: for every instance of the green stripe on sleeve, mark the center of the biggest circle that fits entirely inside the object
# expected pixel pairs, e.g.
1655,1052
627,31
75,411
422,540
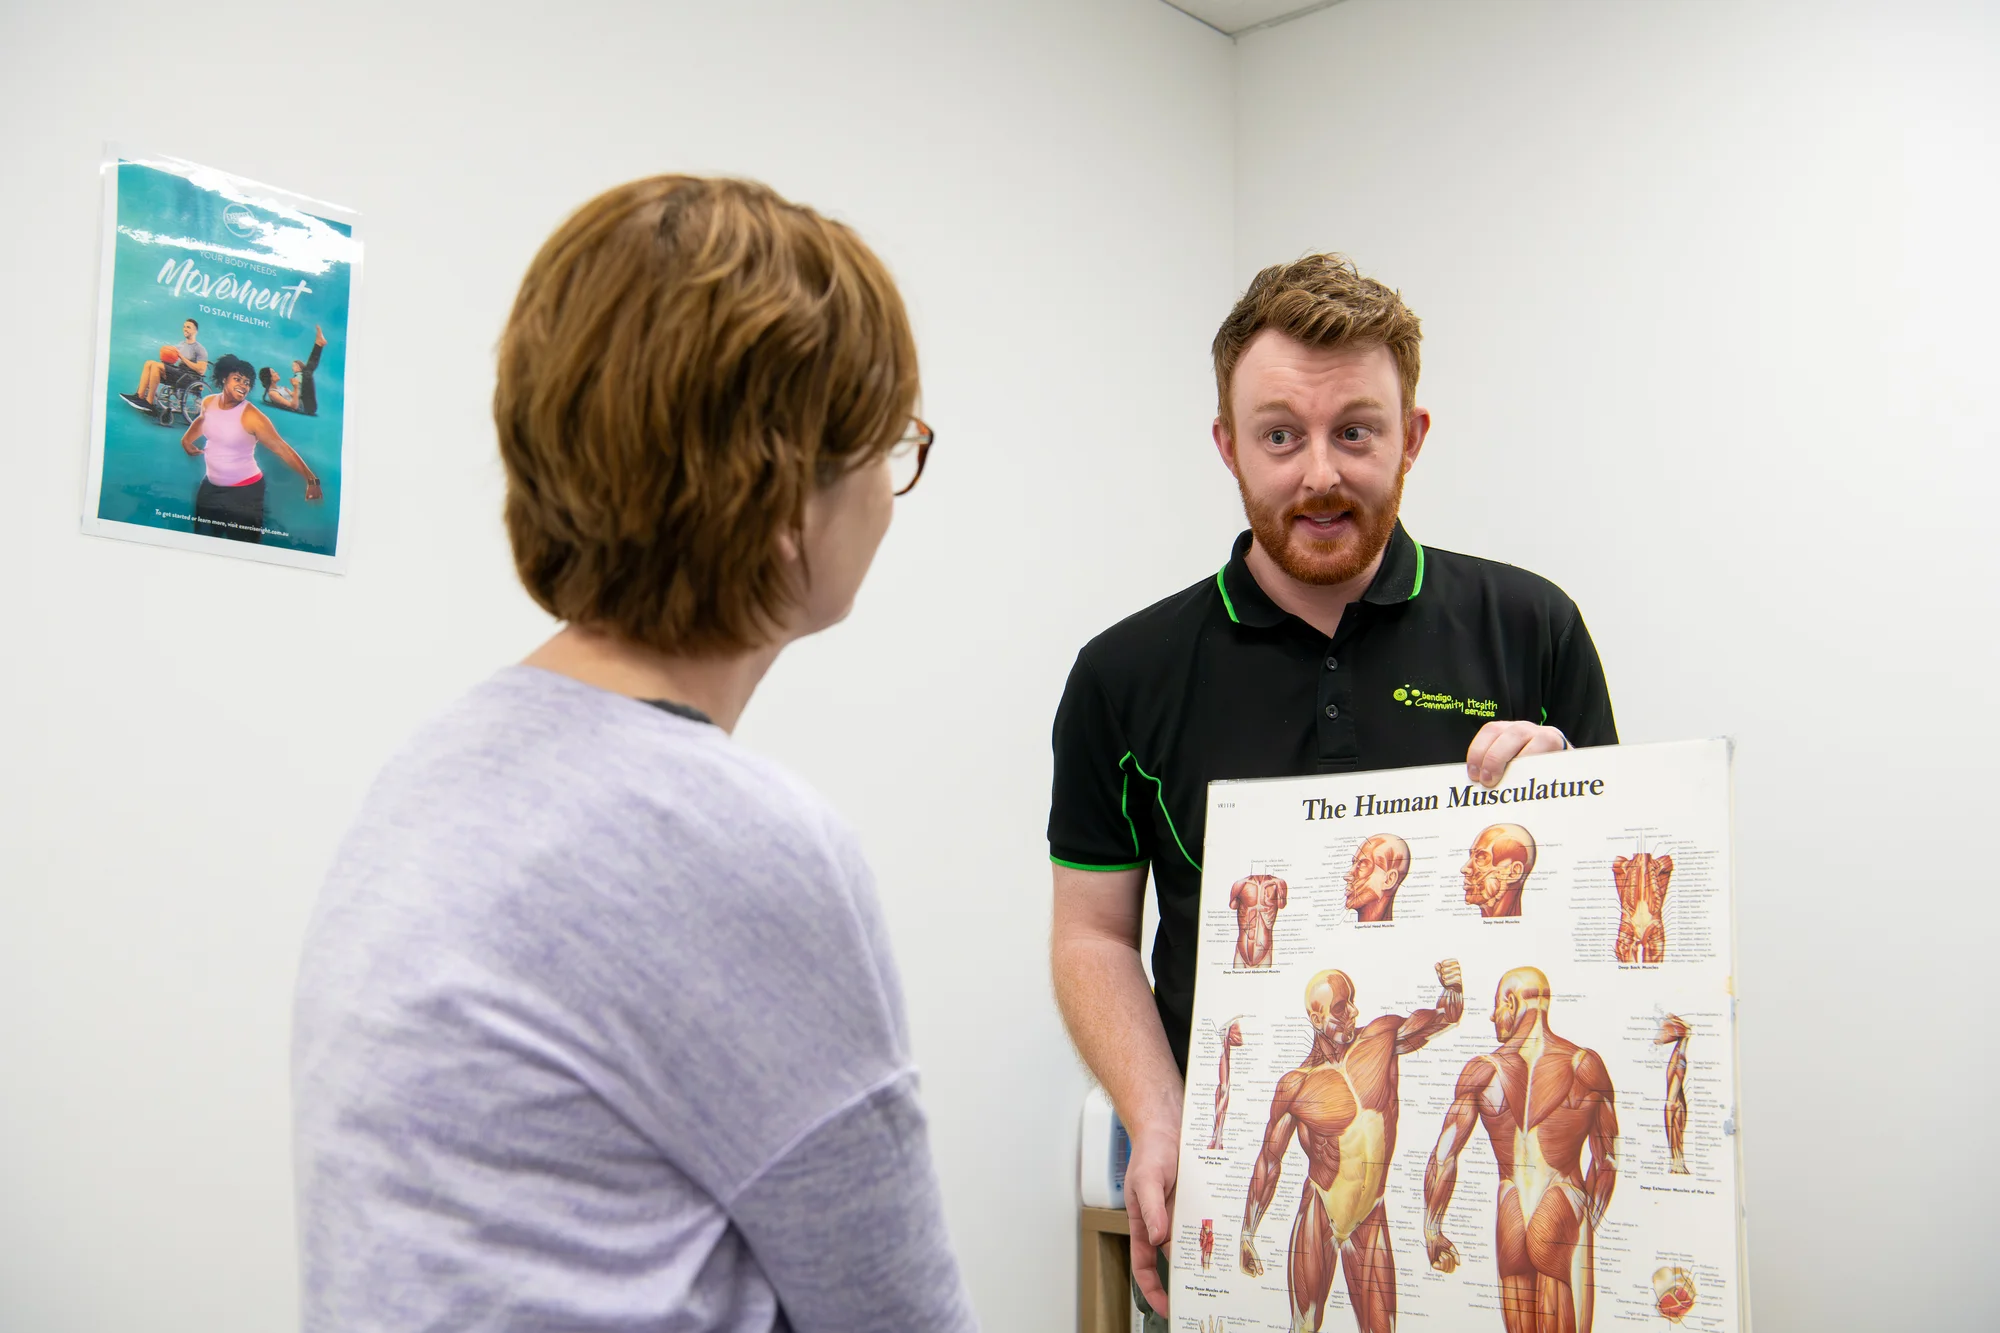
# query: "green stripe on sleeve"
1159,794
1078,865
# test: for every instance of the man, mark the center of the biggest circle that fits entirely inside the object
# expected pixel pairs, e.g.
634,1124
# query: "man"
1496,870
1285,662
1543,1100
1381,863
1342,1105
189,354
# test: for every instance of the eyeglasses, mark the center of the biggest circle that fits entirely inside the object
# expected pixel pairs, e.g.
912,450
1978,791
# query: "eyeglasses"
907,455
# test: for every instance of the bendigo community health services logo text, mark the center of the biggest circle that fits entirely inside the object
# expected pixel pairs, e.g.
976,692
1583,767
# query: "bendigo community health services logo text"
1439,701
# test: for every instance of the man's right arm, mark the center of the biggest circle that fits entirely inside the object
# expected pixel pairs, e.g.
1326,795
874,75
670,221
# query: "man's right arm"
1108,1008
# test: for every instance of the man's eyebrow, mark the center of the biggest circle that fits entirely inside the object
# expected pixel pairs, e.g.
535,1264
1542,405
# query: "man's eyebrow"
1284,408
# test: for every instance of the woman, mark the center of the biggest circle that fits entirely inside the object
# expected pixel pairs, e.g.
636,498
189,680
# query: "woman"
230,501
597,1026
301,397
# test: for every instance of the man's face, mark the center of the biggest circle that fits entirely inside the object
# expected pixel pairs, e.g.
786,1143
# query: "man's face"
187,330
1319,447
1330,1009
1486,879
1376,873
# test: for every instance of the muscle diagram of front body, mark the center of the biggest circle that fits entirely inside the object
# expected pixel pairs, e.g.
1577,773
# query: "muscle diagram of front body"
1543,1100
1673,1293
1231,1037
1675,1032
1381,864
1342,1105
1496,870
1642,906
1257,900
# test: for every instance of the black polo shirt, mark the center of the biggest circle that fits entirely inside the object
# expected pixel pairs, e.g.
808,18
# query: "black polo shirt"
1218,682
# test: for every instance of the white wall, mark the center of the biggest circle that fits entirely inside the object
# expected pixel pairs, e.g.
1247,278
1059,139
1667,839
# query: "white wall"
182,738
1709,301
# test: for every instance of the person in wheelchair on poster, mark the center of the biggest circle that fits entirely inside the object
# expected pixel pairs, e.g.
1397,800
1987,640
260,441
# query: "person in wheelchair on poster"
175,383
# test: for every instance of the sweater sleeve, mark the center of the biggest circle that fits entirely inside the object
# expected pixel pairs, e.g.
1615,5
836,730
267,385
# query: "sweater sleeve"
848,1224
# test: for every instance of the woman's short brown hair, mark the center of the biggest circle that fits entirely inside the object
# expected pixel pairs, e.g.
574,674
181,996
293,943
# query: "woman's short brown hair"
688,359
1323,301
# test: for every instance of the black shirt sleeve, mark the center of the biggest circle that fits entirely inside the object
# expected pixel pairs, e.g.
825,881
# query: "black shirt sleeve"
1088,827
1579,700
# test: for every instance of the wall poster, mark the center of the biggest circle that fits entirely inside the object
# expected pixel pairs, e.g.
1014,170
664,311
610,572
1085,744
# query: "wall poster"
1469,1056
220,417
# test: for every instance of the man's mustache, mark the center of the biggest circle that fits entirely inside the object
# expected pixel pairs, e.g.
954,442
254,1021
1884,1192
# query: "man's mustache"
1335,502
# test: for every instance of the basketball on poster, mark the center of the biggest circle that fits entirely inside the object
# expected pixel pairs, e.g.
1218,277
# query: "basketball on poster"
221,404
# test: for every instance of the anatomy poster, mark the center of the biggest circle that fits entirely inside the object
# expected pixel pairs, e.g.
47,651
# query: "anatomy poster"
219,418
1466,1055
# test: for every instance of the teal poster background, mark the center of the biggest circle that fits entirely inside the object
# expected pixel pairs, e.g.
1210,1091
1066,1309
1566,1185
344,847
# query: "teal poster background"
257,275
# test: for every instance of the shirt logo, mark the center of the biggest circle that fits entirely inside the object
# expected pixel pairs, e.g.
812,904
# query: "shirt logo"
1440,701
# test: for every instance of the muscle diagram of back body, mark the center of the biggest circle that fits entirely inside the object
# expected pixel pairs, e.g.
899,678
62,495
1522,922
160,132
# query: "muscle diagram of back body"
1342,1105
1543,1100
1257,900
1674,1032
1642,906
1230,1035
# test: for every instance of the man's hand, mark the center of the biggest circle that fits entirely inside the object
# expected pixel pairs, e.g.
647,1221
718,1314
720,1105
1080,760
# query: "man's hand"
1499,744
1444,1254
1246,1257
1448,975
1149,1204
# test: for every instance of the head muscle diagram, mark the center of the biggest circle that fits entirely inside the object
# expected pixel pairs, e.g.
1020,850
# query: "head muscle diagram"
1642,905
1257,900
1546,1103
1341,1104
1497,869
1380,866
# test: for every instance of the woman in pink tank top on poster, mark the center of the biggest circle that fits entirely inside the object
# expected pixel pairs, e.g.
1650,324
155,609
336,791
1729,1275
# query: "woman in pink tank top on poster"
230,501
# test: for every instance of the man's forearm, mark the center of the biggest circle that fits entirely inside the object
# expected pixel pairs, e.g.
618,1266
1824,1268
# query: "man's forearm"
1108,1009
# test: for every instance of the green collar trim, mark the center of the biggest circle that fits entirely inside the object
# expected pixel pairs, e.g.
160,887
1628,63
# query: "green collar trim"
1418,586
1222,587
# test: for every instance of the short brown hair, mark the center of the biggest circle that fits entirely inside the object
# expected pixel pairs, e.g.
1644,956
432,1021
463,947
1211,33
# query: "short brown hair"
1323,301
687,360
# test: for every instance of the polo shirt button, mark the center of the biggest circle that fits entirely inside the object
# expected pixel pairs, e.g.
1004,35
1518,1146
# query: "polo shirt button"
1332,664
1333,710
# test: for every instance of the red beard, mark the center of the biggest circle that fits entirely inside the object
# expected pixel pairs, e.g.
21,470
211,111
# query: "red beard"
1324,563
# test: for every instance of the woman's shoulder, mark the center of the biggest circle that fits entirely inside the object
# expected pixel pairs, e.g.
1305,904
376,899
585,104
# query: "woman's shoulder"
637,773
